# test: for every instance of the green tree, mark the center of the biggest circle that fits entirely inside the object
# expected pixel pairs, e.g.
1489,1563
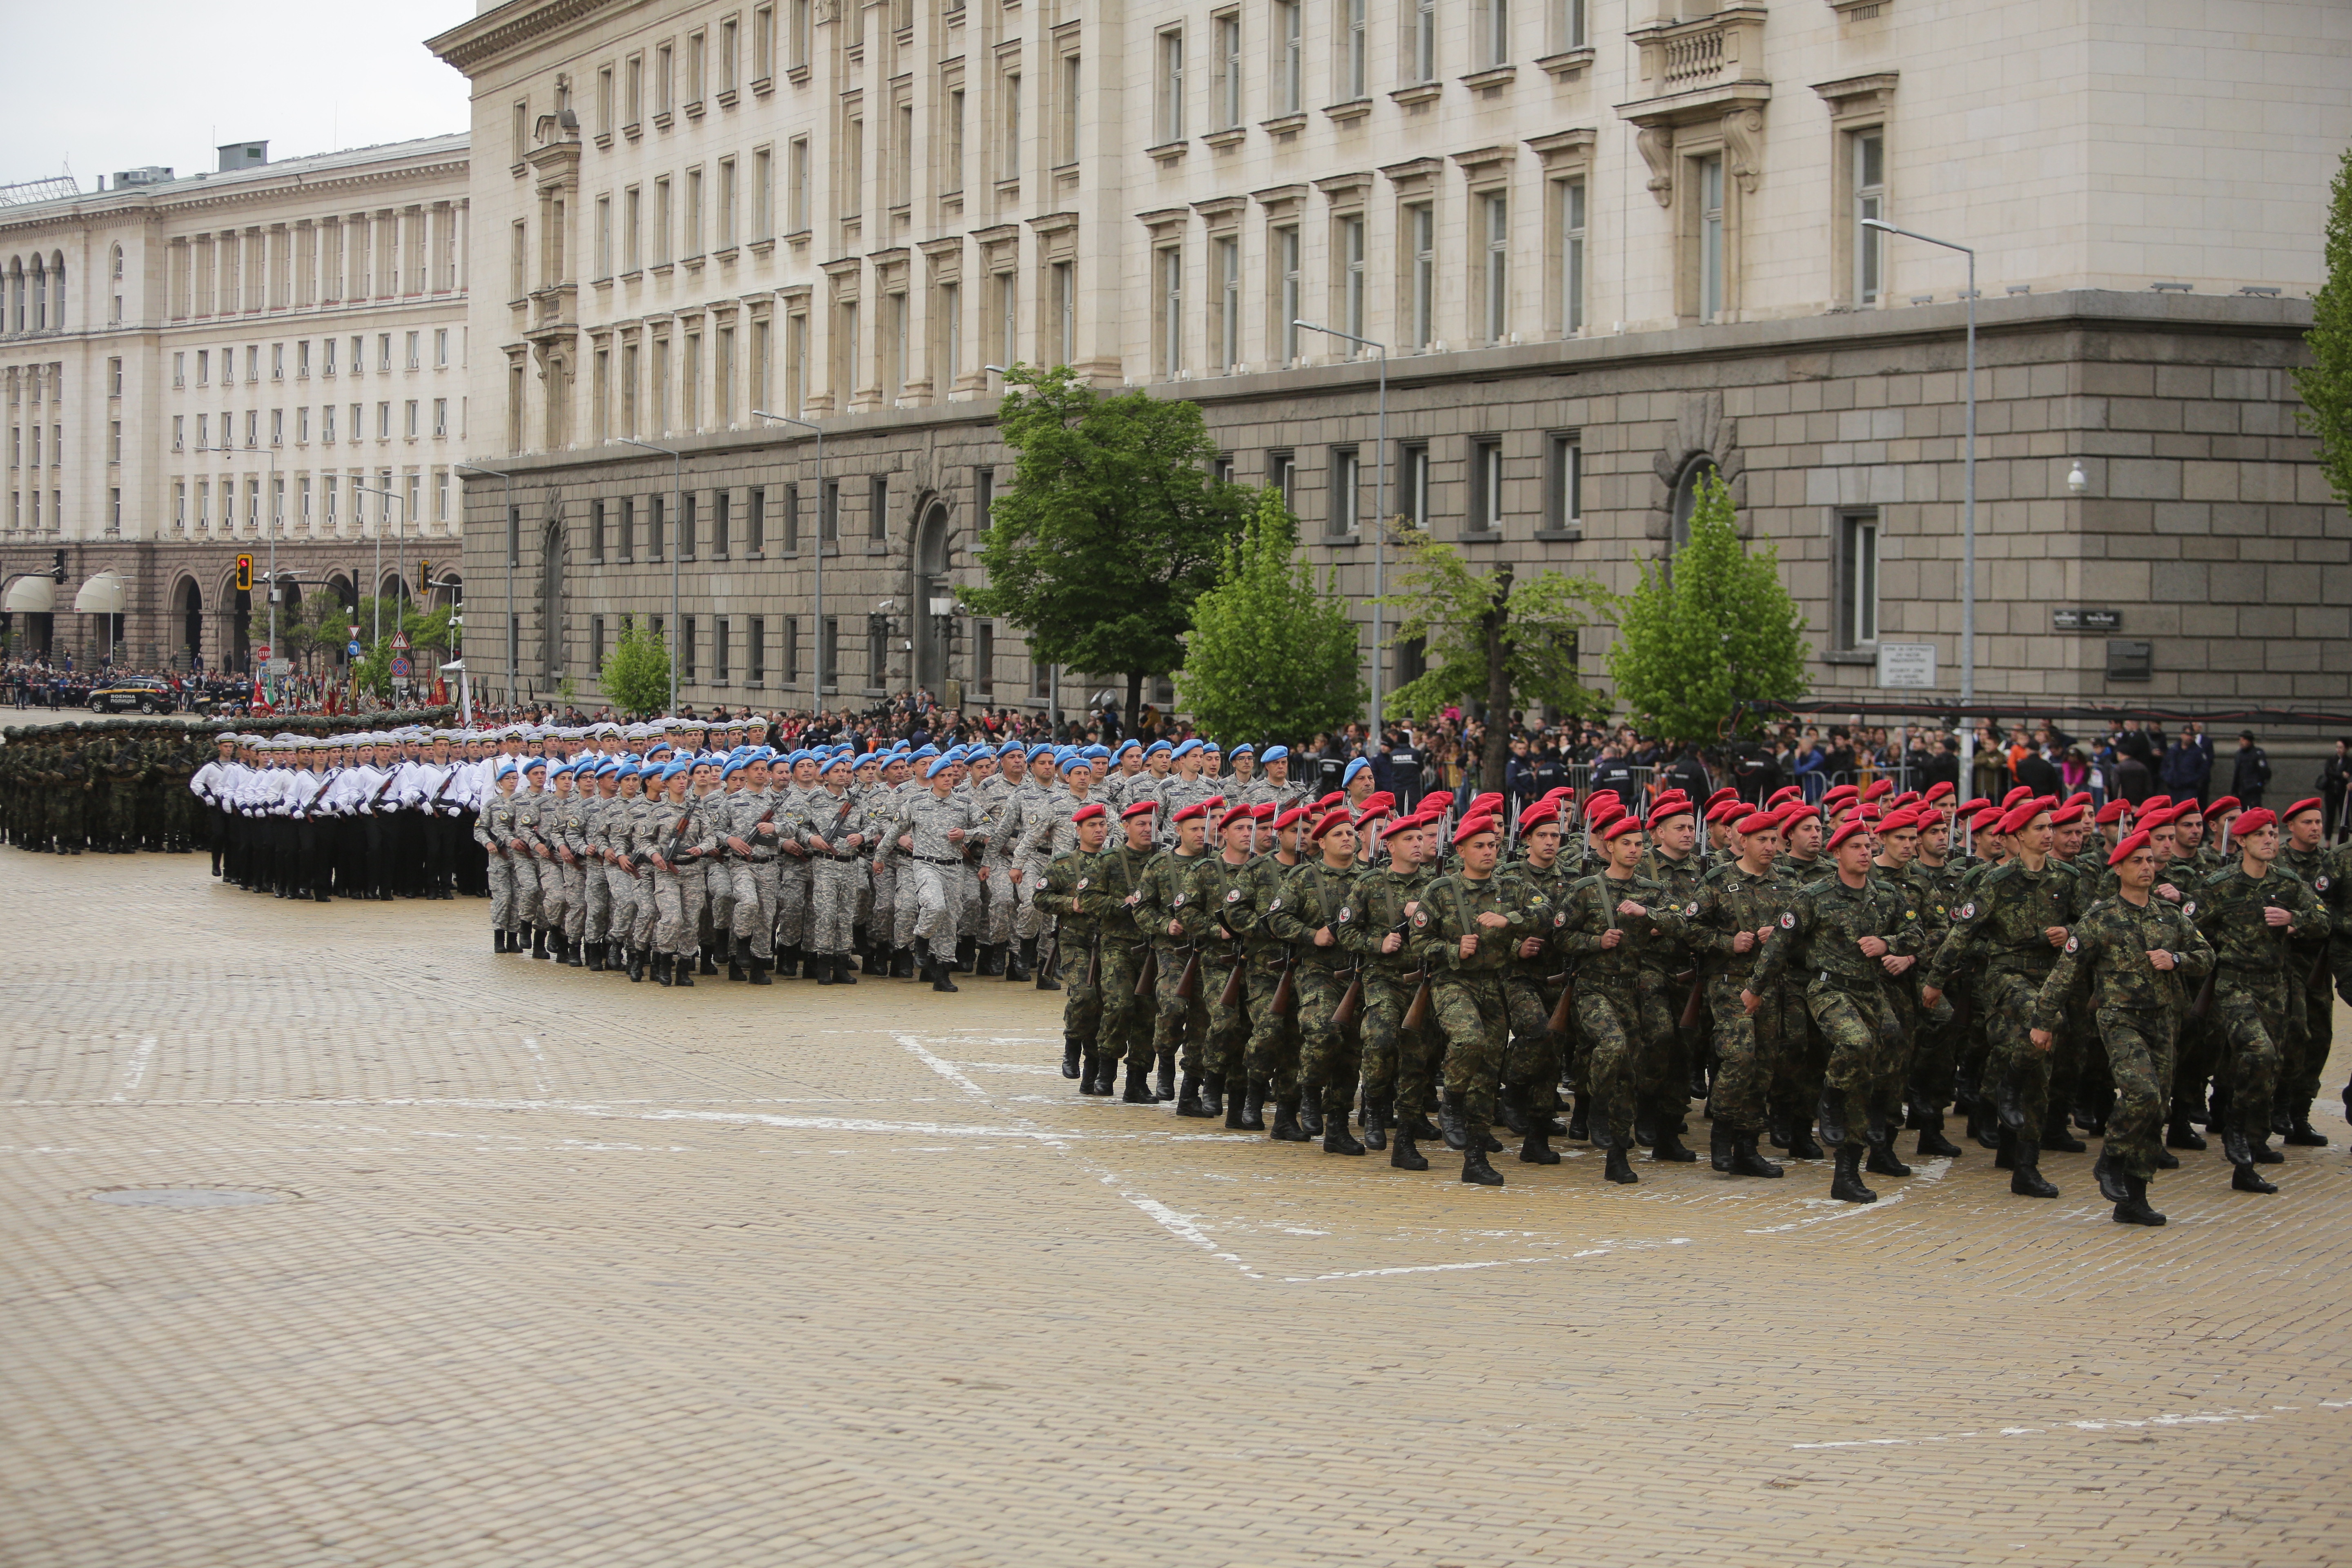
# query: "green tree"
1110,529
2327,383
1269,658
1489,637
637,672
1716,630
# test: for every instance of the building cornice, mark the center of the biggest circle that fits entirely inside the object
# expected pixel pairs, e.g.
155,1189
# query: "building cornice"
477,43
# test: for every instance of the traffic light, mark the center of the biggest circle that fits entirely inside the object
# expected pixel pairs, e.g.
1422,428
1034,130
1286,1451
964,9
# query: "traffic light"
245,574
58,566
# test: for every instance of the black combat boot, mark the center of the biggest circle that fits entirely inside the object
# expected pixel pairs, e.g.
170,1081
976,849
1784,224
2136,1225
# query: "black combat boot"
2245,1179
2025,1178
2300,1134
1188,1098
1449,1122
1420,1127
1090,1065
1833,1116
1017,960
595,958
845,970
2133,1209
498,939
2056,1139
738,958
2260,1148
2008,1103
1747,1162
661,969
758,967
824,974
1511,1112
1846,1184
1166,1088
1619,1168
1932,1141
1139,1081
1253,1108
1667,1147
1776,1125
1646,1128
2183,1134
538,941
1311,1110
943,979
1337,1139
1718,1146
2164,1159
1236,1105
572,954
1403,1156
1579,1118
877,961
1984,1127
1800,1143
1882,1161
1213,1093
2112,1181
1376,1120
1069,1055
1286,1129
2005,1151
681,969
1476,1171
1536,1148
966,953
902,963
636,966
705,964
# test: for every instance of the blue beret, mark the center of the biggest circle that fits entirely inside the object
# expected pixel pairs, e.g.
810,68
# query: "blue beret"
832,762
1358,765
531,762
1243,750
1157,747
925,751
1077,759
1187,749
507,767
1038,749
732,766
939,765
1274,754
1129,744
673,770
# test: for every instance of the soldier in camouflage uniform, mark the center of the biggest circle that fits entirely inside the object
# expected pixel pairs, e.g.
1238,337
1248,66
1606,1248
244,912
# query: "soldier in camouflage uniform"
568,828
828,827
1226,899
2306,855
1124,1031
1740,905
1399,1067
1610,919
1852,931
1679,1072
2137,954
494,830
2009,928
1176,1019
1306,918
2252,914
1933,882
1468,929
1071,898
1531,1072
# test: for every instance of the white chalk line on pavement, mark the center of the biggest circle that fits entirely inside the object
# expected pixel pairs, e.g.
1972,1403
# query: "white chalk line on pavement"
136,1073
2104,1424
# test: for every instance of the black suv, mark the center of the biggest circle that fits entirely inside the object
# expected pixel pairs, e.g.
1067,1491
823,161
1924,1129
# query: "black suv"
145,692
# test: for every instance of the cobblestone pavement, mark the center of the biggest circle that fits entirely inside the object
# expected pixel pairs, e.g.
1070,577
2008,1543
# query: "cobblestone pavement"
565,1269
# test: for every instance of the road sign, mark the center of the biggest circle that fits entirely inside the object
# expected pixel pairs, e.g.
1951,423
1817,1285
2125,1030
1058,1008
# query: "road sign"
400,642
1906,664
262,653
401,669
281,667
353,650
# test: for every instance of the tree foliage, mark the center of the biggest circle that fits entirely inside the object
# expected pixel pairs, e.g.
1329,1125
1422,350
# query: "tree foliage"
637,672
1110,529
1269,658
2325,383
1490,637
1714,631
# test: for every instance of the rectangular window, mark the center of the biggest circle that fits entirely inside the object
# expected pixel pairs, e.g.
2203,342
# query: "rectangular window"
763,193
1421,230
596,643
1571,257
722,505
727,206
441,414
763,45
1066,138
1011,168
877,516
1066,312
628,535
1857,562
1289,56
731,34
1414,485
415,345
1350,234
755,649
687,650
1288,299
1170,111
1568,24
1225,311
719,651
852,171
1563,484
665,80
1869,206
1282,478
951,176
1355,51
1225,70
1492,19
1711,238
984,658
1345,498
408,415
796,186
605,100
1420,41
877,653
1495,209
632,230
792,519
661,221
1485,514
689,506
792,651
828,654
692,245
1008,317
802,12
517,270
1041,676
755,520
895,372
596,533
654,506
1170,267
697,49
828,521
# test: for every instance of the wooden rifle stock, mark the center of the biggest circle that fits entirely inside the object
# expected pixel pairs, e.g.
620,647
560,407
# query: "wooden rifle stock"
1148,975
1694,1006
1416,1014
1351,1002
1286,990
1231,996
1565,1009
1188,983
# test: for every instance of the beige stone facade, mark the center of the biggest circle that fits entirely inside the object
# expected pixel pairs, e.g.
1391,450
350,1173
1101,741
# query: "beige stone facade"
1606,249
216,363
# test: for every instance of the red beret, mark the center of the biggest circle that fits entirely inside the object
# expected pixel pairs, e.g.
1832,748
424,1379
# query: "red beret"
1877,787
1091,809
1601,816
1976,804
1675,793
2014,795
2299,807
1786,792
1437,800
1289,818
1472,825
1904,821
1379,800
2111,812
1334,798
1146,808
1940,791
1620,827
1985,821
2227,803
2254,821
1480,805
1330,820
2080,798
2156,803
1908,797
1851,830
1727,811
1562,793
2125,850
1541,812
1401,825
1239,813
1726,793
1374,815
1758,822
2066,816
1840,792
1265,811
1792,812
2015,819
1671,808
1597,796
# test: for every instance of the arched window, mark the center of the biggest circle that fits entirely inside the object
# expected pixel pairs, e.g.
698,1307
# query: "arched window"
1696,471
40,287
117,264
57,285
12,296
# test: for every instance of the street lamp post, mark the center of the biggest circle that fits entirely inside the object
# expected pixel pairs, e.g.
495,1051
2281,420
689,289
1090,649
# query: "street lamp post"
506,521
1967,508
676,517
1380,513
816,682
269,531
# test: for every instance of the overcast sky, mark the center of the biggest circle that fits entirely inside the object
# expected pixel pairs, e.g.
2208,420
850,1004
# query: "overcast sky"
93,85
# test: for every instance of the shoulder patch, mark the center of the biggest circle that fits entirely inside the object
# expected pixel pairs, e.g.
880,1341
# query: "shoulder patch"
2190,908
1689,909
2319,883
1420,917
2072,943
1344,914
1788,919
1968,912
1082,884
1275,905
1233,896
1560,919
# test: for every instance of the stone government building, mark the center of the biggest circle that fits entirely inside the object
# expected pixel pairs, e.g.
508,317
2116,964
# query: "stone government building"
309,316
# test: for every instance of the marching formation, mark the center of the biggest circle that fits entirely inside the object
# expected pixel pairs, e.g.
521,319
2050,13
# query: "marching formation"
1846,971
1816,977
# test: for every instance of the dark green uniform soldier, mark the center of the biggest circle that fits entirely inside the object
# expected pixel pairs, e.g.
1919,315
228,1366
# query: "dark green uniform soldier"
1306,919
2251,914
1934,880
1126,1030
2305,852
1611,923
1399,1065
2136,954
1674,863
1740,905
1176,1019
1223,902
1069,894
1853,932
1468,927
1538,1059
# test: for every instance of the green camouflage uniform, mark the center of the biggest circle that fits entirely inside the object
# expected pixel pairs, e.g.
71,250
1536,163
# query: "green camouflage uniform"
1747,1049
1621,993
1159,894
1467,994
1537,1062
2254,992
1071,893
1399,1067
2000,931
2311,987
1124,1031
1315,898
1848,996
1219,912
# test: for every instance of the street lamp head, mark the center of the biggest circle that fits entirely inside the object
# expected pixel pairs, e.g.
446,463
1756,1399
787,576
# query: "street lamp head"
1877,223
2078,481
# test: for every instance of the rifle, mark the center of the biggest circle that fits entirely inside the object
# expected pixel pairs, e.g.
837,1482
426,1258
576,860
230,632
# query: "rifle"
1691,1008
1351,1002
677,837
1416,1014
1286,990
1564,1010
1093,960
1231,996
1188,983
1148,975
2203,1006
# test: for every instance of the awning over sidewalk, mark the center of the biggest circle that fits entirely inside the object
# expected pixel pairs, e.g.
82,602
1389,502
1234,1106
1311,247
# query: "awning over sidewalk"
34,595
103,594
